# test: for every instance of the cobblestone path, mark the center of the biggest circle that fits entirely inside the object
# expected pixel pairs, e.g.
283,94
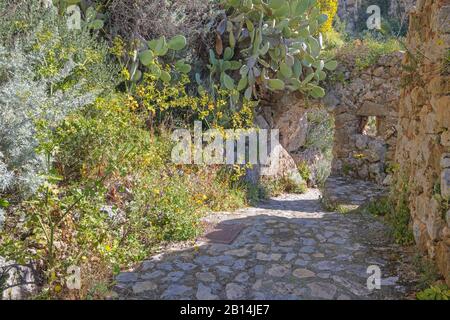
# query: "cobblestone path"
289,249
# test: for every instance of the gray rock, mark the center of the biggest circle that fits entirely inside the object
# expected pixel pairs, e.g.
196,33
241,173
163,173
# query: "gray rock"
127,277
204,293
206,276
278,271
242,277
174,276
234,291
322,290
144,286
303,273
175,291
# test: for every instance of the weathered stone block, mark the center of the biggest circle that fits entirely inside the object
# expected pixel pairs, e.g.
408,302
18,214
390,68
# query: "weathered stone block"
445,138
445,160
445,183
443,260
373,109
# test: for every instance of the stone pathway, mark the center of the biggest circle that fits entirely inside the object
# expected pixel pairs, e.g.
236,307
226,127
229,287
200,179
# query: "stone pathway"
290,249
348,191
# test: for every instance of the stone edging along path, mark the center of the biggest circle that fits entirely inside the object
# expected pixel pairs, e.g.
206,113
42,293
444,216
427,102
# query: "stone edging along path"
290,249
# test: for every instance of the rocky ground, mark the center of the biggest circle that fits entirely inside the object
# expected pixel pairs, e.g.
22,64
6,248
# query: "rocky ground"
290,249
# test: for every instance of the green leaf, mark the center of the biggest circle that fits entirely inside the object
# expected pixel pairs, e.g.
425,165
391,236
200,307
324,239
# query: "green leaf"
91,14
177,43
159,46
283,11
137,76
308,78
235,65
228,53
228,81
165,76
4,203
285,70
322,18
301,8
244,70
275,84
248,93
276,4
321,75
96,24
316,91
155,71
182,67
242,83
146,57
331,65
314,46
297,68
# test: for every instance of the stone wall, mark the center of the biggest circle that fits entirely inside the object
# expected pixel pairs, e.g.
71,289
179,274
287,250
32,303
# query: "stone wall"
423,149
363,95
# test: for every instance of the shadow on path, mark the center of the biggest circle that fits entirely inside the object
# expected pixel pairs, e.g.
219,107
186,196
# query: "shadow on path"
289,249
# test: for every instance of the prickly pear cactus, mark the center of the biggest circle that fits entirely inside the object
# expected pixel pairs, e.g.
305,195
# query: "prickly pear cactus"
148,57
270,45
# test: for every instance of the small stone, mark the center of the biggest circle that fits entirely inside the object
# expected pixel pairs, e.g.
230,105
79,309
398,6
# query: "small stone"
127,277
176,291
268,257
239,264
301,262
234,291
147,265
309,242
174,276
307,249
185,266
278,271
303,273
242,277
165,266
290,256
445,183
143,286
258,270
238,252
153,275
322,290
204,293
205,276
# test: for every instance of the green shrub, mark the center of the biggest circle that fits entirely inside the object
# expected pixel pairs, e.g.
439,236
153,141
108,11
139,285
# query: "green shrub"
304,171
374,49
48,71
395,210
438,292
328,7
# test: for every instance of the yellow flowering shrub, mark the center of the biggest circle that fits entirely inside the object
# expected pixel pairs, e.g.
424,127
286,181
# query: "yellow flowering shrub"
328,7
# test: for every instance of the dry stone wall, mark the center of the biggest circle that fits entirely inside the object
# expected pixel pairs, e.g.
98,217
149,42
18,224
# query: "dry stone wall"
423,149
364,98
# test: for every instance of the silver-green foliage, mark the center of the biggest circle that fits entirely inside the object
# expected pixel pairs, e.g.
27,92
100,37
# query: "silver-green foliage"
275,44
36,90
24,101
